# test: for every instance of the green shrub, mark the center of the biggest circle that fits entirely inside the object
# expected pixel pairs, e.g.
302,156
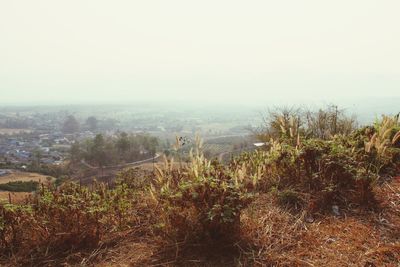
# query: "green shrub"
134,178
334,171
20,186
202,199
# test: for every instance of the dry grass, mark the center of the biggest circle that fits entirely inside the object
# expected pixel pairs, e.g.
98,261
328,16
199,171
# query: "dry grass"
273,236
129,250
16,197
149,166
346,242
359,237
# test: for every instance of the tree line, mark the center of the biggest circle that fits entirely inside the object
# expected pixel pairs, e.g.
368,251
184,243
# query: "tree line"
111,150
72,125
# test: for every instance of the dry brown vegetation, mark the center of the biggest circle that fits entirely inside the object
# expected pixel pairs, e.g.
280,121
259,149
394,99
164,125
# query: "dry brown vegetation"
270,236
16,176
16,197
304,201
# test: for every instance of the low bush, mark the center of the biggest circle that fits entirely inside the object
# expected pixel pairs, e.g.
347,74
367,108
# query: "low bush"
203,199
69,217
339,170
20,186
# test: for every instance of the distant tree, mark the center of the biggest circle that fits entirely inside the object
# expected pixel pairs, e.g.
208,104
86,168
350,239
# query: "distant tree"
99,152
107,151
71,125
153,144
328,122
134,149
293,122
123,143
75,152
92,123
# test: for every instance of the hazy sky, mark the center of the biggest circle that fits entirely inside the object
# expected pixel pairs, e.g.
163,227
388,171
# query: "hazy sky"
232,51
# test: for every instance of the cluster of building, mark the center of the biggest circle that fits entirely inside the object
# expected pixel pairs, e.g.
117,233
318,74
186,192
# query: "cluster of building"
45,148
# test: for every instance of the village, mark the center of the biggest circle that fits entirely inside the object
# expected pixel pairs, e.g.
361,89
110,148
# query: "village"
43,148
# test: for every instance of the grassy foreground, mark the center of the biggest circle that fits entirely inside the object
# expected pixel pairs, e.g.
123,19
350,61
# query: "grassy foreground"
306,200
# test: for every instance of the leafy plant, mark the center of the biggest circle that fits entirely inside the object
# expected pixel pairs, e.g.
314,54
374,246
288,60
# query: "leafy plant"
204,198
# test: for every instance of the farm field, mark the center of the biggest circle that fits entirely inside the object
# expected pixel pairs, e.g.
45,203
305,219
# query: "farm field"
16,197
216,149
15,176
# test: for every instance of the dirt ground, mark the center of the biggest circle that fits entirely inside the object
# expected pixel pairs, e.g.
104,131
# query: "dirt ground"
16,197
